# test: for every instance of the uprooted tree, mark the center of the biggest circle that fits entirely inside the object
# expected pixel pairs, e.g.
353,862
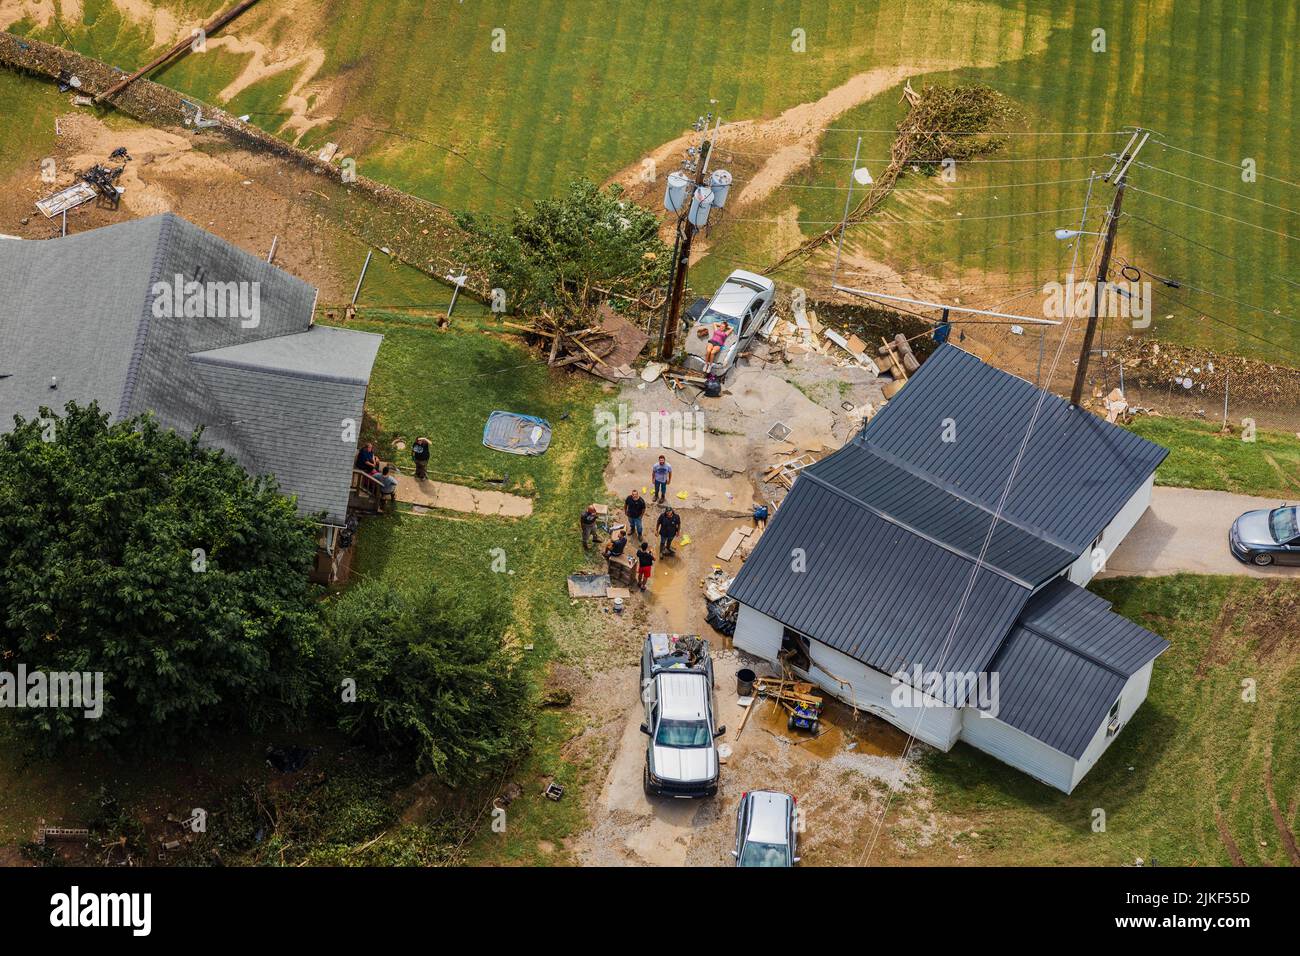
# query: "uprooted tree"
562,258
130,551
944,124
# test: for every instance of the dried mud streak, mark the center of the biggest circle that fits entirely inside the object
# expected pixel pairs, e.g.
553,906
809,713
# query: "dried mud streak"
377,214
1229,843
1288,838
1221,627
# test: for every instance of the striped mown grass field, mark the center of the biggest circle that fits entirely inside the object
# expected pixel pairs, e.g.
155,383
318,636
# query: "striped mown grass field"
418,95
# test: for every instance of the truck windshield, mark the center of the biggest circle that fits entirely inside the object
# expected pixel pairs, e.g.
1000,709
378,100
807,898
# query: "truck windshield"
682,733
764,854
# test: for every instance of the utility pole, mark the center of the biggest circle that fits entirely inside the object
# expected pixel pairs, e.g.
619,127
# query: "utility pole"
1122,162
682,264
686,230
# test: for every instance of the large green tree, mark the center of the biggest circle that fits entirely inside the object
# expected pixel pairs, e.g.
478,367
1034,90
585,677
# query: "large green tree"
429,678
132,551
567,255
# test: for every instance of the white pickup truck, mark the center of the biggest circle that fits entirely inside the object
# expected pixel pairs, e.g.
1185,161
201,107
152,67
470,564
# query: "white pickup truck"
677,689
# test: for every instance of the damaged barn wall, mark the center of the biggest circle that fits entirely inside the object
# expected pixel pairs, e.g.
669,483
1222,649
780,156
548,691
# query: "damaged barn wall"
867,688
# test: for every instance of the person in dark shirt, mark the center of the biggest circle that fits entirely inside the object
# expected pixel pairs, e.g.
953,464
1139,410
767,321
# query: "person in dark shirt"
420,455
644,564
616,545
618,564
669,524
367,460
589,518
634,506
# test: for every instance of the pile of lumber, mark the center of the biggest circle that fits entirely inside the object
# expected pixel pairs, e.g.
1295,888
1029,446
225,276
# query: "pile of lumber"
606,349
793,692
783,474
899,362
790,691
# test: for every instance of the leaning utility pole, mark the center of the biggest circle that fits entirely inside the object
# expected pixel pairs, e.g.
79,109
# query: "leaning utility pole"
686,229
1122,162
682,263
215,24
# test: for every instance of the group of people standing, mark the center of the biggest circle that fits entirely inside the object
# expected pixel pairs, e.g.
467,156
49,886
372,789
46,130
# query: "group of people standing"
668,526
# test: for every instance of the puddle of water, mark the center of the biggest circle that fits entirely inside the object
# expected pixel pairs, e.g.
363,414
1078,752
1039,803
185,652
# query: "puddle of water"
869,735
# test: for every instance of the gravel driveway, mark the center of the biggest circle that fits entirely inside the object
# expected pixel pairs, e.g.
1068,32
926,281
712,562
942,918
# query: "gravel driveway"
1186,529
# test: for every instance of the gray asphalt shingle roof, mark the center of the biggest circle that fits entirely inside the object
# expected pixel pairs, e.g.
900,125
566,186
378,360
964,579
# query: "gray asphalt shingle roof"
272,390
1065,663
893,523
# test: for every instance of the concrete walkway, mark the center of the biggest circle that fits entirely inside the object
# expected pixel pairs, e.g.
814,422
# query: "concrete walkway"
1186,529
439,494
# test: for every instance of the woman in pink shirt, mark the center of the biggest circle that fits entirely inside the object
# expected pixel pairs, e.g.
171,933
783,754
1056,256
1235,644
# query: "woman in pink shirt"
716,341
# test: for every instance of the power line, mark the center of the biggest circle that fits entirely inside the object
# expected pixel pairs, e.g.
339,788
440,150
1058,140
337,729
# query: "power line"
1226,298
931,188
978,566
1223,162
1230,192
1221,321
1207,248
1211,212
911,222
953,132
913,161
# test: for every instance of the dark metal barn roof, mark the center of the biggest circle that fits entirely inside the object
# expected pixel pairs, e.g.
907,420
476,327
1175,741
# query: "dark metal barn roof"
1065,663
893,526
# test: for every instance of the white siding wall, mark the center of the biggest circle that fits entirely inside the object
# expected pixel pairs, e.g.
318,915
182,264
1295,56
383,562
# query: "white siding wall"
1081,571
757,634
1044,763
1017,748
1130,699
937,724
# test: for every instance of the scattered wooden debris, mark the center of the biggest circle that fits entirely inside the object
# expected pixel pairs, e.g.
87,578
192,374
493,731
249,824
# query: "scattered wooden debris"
606,350
732,544
784,473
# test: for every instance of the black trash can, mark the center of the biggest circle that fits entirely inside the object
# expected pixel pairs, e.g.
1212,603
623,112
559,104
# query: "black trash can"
745,682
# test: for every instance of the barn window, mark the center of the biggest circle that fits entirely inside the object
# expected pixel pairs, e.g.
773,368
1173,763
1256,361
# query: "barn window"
795,650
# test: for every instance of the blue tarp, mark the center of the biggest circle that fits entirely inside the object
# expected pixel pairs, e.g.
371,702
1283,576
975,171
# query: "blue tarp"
517,434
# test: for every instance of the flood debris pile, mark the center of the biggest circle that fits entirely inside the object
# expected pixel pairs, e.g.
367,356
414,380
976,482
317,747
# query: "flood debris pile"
1193,370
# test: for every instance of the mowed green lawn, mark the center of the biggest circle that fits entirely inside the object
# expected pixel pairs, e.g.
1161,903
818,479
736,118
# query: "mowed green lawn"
1201,457
588,88
443,385
1215,78
1194,777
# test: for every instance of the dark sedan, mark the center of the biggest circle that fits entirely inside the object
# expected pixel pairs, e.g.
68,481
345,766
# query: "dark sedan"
1268,536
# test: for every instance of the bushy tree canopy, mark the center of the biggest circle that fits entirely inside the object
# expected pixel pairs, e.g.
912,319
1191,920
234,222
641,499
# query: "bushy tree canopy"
569,254
131,550
433,679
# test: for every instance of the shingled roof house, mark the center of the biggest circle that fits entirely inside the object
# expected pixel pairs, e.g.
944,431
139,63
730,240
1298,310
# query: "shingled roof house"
113,315
870,582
